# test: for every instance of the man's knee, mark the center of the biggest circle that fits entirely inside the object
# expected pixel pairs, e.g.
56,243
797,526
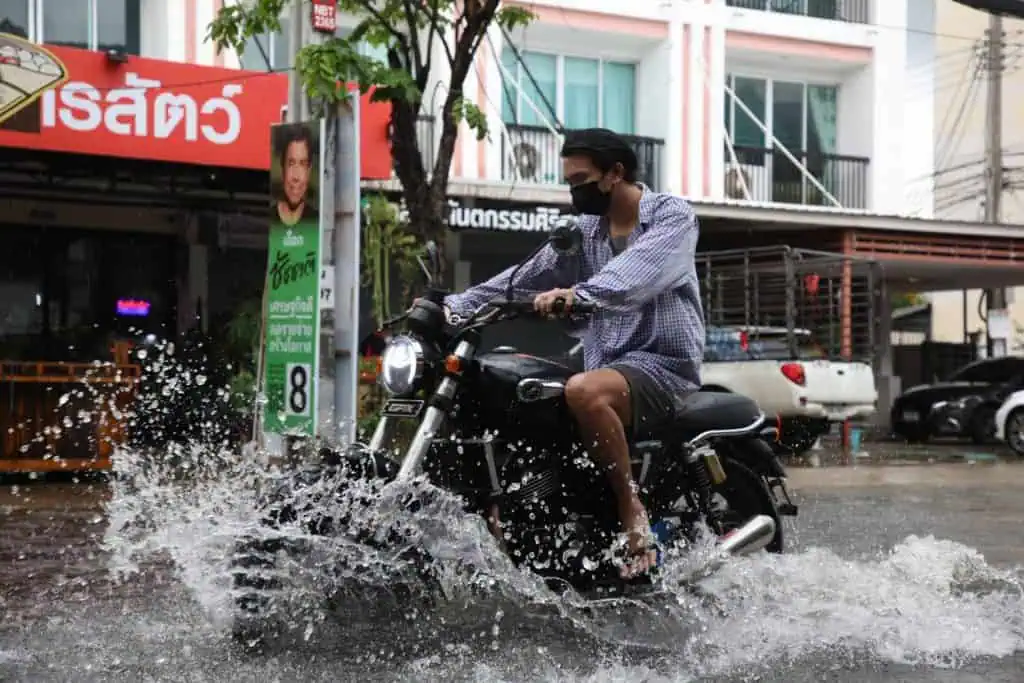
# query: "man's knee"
596,390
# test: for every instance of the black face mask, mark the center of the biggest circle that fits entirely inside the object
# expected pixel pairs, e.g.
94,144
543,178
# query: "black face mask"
587,198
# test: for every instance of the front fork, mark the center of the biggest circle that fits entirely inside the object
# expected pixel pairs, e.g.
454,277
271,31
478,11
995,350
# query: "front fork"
433,419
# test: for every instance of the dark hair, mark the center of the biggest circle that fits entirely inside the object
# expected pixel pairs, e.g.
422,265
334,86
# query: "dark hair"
604,148
291,134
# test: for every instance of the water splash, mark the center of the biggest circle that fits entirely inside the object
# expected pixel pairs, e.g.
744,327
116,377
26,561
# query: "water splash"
925,602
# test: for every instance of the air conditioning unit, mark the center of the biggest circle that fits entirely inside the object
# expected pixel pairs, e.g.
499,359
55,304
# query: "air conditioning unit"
736,179
526,159
755,177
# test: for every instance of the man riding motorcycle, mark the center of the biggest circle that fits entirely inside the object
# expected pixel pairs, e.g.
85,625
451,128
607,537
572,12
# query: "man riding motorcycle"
646,342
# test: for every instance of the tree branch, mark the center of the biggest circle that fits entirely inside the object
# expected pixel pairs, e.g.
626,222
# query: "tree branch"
414,35
439,31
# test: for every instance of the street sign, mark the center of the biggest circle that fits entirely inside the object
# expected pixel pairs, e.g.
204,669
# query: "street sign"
327,288
325,16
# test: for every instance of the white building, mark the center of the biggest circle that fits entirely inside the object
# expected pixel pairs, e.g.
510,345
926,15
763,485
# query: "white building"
837,83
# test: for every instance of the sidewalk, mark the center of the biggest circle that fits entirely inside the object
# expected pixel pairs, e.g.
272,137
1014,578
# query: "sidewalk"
829,453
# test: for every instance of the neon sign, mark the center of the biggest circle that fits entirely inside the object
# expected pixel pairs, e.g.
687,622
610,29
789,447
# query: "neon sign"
136,308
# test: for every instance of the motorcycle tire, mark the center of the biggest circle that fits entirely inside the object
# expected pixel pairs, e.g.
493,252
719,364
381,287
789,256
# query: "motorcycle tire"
747,494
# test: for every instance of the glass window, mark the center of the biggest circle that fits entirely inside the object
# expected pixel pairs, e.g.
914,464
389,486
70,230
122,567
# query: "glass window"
788,114
822,112
281,58
257,53
509,91
14,17
111,25
618,97
586,93
581,93
753,93
541,91
67,23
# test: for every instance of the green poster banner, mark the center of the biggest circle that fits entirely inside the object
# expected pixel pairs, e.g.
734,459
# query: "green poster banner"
292,316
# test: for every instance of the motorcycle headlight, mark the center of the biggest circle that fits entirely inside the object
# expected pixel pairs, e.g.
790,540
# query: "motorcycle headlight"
401,365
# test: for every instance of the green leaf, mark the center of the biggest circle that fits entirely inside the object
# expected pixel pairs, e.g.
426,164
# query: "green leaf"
511,18
467,111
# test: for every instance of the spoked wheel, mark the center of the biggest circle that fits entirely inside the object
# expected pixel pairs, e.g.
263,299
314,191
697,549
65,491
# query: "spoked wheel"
741,497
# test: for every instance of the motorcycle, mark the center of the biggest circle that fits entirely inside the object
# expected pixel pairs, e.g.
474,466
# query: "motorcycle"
494,428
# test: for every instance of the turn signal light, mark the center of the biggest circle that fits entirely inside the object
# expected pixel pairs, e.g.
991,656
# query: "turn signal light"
453,365
794,372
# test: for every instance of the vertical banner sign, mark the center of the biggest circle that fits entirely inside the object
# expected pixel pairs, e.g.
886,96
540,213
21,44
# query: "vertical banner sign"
325,16
292,347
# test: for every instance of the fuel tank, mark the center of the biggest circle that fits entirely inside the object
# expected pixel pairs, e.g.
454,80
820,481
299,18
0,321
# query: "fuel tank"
509,367
499,406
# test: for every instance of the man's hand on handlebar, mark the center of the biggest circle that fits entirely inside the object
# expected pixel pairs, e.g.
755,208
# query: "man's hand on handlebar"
555,302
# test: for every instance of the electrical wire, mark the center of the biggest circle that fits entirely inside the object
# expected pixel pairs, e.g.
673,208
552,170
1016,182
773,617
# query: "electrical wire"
559,127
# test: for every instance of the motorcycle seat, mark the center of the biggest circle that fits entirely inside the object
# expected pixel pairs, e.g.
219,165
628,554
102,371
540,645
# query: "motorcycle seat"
700,412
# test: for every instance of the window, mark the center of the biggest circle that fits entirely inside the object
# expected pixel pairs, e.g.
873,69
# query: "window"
271,51
87,24
801,116
580,92
14,17
801,119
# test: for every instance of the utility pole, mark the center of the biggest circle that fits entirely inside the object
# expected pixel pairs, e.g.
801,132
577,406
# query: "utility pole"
995,298
297,32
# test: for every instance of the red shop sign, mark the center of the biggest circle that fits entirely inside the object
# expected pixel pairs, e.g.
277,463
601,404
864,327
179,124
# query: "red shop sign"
325,16
62,99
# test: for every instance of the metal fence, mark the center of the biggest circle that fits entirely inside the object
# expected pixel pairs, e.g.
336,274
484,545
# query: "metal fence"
831,296
855,11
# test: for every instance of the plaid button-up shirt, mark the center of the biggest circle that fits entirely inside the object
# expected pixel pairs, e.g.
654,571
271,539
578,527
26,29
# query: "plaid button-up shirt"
650,314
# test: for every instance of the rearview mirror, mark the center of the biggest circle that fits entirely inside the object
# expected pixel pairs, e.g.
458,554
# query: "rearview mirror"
567,237
432,266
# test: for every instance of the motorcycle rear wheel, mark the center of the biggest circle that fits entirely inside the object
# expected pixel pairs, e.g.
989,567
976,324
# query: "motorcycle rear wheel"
747,496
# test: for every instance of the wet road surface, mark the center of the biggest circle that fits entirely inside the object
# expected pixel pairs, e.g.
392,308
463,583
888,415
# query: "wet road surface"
852,602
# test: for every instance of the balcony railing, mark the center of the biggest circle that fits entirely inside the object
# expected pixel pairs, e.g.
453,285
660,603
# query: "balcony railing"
771,177
854,11
427,141
532,154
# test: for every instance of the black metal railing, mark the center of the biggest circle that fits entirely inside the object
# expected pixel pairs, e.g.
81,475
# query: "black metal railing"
770,176
532,154
854,11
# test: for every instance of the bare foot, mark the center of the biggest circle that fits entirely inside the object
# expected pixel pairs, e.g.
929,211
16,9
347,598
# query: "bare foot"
640,555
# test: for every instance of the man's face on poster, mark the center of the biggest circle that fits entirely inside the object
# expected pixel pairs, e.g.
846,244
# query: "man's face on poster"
296,171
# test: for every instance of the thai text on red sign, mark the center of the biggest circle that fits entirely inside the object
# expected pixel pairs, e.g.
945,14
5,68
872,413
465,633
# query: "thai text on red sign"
325,16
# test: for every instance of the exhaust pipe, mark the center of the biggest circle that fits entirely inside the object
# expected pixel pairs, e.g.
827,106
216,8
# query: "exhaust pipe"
753,536
749,538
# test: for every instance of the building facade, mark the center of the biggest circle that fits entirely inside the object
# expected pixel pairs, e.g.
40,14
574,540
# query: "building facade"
711,91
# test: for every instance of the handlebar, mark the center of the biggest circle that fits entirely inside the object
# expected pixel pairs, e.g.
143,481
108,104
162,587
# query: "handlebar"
560,308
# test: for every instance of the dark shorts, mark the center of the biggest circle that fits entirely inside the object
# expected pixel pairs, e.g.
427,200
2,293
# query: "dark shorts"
651,406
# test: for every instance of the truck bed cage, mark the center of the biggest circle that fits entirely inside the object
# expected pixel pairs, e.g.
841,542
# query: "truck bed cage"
833,296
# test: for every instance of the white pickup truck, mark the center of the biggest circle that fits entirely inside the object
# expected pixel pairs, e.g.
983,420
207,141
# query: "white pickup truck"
805,394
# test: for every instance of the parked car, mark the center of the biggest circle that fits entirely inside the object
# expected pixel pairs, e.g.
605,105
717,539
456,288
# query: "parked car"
1009,422
805,393
962,406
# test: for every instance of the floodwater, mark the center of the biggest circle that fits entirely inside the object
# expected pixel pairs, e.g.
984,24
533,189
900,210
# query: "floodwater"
894,574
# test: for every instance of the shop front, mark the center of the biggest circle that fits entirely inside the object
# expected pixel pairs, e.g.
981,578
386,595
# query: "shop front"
117,179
